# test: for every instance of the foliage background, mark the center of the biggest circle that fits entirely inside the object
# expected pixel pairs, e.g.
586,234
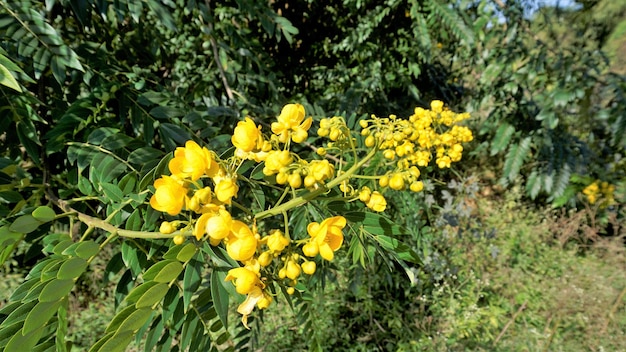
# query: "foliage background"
93,91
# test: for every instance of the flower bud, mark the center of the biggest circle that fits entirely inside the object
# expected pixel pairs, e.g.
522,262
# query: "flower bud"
417,186
310,249
179,239
293,270
265,259
294,180
384,181
396,182
167,227
309,267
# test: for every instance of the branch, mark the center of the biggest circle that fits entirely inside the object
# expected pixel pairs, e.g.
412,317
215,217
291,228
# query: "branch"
216,56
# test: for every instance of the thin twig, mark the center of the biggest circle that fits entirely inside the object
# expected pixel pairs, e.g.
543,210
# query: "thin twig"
216,56
519,310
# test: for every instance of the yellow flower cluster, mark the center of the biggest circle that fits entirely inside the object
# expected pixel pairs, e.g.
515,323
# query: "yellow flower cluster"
274,255
598,190
406,144
205,187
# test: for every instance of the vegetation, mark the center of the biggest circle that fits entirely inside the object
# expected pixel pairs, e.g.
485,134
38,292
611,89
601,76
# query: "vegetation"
170,169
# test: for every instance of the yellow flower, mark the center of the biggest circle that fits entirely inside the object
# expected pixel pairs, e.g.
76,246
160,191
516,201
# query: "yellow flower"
327,235
436,106
192,162
291,124
276,160
247,136
377,202
215,224
248,283
241,243
276,241
292,269
170,195
321,170
226,189
309,267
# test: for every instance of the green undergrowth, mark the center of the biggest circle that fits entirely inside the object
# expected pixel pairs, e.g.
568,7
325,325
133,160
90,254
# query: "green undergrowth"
504,280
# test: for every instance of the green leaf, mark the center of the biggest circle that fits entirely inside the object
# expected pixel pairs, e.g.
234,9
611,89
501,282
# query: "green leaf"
114,342
501,139
187,252
144,155
72,268
153,295
173,135
44,213
373,223
7,79
18,315
39,316
152,272
399,249
87,249
61,332
139,291
112,192
25,224
135,320
24,342
134,221
220,295
169,272
191,281
55,290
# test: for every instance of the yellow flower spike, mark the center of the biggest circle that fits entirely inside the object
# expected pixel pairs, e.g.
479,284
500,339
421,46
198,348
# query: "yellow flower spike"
276,241
377,202
192,161
328,235
309,267
241,244
226,189
247,136
170,195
